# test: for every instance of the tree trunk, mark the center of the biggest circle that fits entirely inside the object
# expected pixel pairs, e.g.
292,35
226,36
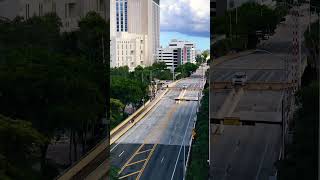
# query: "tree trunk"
43,156
75,146
82,143
70,148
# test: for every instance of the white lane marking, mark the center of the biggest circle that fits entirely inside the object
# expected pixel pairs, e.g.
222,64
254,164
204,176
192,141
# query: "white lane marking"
175,166
260,164
162,159
129,132
121,153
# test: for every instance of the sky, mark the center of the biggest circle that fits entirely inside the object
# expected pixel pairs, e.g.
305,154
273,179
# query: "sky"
185,20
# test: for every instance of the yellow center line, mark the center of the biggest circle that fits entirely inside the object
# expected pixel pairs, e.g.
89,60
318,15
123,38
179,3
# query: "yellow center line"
144,151
129,175
145,163
159,126
124,166
136,162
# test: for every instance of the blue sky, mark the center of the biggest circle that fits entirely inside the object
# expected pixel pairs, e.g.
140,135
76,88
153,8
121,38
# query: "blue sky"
202,42
185,20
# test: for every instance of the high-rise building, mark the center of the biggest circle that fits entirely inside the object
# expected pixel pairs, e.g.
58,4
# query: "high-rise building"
135,18
69,11
177,53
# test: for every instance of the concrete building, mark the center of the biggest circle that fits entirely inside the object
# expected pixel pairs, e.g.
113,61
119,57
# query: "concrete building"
128,49
70,11
168,56
140,18
177,53
219,7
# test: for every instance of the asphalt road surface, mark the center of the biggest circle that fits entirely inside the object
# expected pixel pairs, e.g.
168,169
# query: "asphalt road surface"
249,152
157,146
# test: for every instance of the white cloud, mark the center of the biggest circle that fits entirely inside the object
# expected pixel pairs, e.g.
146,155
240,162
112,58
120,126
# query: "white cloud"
186,16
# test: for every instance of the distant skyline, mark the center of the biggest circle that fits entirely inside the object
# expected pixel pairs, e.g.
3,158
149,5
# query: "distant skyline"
202,43
185,20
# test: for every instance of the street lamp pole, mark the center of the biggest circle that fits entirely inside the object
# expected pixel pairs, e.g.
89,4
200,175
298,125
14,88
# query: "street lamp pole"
172,69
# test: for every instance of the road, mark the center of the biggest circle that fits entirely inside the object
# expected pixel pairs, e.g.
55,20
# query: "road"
248,152
155,147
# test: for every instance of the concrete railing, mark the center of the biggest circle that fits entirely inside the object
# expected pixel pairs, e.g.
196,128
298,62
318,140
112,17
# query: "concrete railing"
230,57
253,85
123,127
74,170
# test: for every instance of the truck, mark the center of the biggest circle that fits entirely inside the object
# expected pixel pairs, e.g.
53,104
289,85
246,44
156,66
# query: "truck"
239,78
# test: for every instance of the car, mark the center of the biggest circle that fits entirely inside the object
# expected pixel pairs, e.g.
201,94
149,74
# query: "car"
184,86
283,19
239,78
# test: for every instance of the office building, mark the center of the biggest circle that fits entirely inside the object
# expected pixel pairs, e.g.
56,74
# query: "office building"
128,49
177,53
135,18
69,11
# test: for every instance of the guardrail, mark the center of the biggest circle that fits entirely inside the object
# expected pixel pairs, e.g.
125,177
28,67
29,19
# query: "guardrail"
76,168
230,57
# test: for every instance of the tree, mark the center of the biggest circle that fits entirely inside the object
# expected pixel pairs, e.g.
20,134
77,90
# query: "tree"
199,167
116,111
251,17
67,91
128,91
19,145
301,156
312,43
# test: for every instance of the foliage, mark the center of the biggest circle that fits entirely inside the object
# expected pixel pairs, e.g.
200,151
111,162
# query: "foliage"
186,69
126,90
113,173
56,81
241,31
198,168
20,144
116,111
221,48
301,158
201,58
312,43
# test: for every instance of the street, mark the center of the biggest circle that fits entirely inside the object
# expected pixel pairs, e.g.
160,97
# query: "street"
248,148
157,146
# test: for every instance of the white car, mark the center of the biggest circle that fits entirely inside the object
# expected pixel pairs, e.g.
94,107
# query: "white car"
239,78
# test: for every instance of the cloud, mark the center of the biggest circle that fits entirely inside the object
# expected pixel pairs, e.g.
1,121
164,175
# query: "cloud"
190,17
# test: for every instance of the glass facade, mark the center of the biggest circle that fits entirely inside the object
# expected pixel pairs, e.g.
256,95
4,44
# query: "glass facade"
122,15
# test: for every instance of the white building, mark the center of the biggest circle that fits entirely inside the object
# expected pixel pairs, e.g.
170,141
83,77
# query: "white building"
128,49
70,11
168,56
141,19
177,53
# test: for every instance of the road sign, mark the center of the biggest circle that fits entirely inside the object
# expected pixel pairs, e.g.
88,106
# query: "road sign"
231,121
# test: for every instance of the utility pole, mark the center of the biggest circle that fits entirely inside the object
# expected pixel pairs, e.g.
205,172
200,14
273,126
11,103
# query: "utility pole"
230,26
309,16
172,69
